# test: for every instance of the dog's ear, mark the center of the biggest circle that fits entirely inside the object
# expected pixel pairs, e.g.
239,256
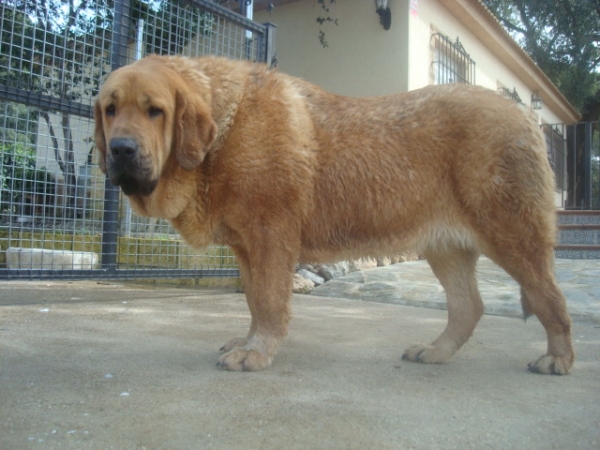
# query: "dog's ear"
99,137
194,131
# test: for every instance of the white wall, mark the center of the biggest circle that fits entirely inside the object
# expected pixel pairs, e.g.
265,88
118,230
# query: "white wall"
362,58
490,71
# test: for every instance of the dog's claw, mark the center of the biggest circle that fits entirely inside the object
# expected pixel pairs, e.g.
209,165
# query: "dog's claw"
427,354
550,365
234,343
415,358
240,360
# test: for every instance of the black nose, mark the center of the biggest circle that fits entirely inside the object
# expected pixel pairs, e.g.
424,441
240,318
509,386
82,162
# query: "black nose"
123,149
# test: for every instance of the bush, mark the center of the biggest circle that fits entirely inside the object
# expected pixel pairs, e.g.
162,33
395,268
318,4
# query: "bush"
21,182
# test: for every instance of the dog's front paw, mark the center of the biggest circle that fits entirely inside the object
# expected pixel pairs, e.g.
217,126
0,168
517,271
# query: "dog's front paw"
234,343
239,359
427,354
551,365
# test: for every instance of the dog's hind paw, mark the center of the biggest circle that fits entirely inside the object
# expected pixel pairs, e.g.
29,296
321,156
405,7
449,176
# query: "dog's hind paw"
551,365
239,360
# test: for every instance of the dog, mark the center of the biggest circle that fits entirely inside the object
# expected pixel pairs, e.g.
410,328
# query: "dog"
234,153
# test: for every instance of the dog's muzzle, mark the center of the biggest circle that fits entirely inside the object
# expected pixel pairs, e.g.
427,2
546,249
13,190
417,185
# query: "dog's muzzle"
126,167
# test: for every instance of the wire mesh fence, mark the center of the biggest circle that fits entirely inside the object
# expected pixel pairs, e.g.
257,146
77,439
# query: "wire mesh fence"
58,215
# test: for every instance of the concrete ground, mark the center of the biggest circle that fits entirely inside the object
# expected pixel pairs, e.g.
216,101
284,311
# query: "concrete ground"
99,365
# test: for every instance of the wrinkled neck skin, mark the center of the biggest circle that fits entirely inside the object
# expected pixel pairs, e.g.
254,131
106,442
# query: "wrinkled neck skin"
182,196
183,201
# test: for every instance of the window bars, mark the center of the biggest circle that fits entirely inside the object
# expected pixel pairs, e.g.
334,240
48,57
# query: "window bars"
511,95
450,61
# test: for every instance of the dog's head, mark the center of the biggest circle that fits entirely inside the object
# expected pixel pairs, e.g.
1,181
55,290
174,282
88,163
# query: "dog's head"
147,117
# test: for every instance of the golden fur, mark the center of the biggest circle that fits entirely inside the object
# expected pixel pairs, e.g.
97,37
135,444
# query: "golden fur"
233,153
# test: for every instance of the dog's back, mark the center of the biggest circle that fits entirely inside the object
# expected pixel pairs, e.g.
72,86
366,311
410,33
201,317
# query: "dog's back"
430,168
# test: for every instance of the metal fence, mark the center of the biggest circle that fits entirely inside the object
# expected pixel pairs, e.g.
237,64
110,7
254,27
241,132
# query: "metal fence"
574,152
59,217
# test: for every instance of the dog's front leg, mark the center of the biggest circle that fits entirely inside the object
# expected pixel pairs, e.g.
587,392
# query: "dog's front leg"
267,276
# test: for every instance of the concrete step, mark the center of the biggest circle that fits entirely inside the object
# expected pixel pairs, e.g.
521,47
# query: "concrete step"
571,217
577,251
578,235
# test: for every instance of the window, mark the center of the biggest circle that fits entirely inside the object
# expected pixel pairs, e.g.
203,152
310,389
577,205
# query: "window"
450,61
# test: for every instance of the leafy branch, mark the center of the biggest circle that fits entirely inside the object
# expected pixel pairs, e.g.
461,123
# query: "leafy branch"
323,18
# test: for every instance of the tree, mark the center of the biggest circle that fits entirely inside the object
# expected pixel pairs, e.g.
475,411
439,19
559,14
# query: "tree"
562,37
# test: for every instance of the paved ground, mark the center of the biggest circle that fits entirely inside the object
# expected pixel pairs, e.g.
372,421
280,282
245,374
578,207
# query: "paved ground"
89,365
413,284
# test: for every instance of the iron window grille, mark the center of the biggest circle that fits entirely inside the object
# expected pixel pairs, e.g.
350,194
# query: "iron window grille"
511,95
450,61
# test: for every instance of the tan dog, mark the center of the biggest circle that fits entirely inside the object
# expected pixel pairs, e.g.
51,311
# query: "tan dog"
281,171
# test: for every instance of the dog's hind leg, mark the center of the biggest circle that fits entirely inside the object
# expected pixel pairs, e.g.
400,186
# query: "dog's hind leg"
541,296
455,269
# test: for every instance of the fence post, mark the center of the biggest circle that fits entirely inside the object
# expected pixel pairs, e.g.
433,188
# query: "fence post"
269,45
110,225
587,167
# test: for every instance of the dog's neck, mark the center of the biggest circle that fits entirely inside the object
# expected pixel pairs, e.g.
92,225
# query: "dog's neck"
182,201
170,197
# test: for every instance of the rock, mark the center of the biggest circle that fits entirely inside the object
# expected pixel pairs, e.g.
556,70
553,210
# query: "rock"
311,276
355,265
320,274
306,266
382,262
331,271
302,285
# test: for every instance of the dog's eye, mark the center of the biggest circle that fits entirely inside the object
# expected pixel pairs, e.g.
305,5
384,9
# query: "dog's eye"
110,110
154,112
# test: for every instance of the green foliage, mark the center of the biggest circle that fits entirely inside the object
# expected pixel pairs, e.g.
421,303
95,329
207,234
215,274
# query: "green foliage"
17,152
19,177
323,18
18,161
18,32
562,37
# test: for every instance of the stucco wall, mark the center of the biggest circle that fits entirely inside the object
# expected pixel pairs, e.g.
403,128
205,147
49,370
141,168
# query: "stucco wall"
490,71
362,58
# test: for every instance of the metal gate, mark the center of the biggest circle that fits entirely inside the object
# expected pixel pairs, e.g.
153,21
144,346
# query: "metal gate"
574,152
59,215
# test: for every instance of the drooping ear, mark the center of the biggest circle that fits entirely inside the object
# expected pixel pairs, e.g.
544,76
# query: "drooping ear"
99,137
194,130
